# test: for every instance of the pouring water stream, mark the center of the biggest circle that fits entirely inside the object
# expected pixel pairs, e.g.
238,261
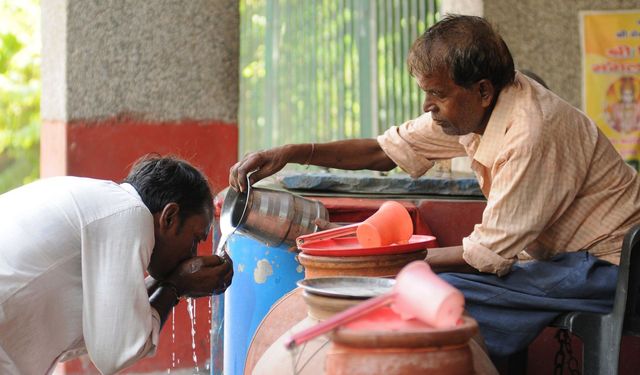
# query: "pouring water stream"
227,229
226,226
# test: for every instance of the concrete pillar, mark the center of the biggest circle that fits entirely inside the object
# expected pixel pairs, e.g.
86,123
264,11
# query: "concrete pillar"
467,7
471,8
122,78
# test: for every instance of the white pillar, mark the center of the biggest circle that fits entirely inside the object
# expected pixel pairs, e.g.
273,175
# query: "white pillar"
467,7
471,8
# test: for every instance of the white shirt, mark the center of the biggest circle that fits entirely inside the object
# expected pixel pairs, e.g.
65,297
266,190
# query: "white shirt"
73,255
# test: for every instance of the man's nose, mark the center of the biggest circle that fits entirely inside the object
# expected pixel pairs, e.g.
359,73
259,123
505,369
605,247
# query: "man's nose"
428,105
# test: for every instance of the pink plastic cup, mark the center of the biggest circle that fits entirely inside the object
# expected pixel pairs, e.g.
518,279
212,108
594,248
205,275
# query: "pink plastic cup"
418,293
423,295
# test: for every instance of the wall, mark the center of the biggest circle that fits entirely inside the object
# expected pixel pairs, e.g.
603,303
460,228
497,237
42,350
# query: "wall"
544,37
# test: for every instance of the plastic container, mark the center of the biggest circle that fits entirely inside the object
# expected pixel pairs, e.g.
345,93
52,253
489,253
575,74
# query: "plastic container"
262,275
390,224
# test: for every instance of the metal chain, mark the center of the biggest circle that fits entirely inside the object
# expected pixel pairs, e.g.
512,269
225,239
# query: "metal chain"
564,339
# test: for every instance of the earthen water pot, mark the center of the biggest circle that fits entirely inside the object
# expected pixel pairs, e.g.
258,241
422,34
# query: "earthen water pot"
388,345
387,265
308,359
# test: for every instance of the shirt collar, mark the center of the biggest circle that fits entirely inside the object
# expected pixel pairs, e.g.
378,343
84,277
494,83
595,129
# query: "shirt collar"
493,136
131,190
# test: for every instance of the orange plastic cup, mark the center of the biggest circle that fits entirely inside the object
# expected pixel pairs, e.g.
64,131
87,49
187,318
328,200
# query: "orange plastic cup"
390,224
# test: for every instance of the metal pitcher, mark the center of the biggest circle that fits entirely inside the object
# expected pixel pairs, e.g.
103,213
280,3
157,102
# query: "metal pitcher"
271,216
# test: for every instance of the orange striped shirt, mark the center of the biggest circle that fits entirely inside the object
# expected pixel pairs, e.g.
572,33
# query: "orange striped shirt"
553,181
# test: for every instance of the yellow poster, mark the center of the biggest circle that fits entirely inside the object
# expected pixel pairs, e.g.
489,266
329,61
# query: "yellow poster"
611,77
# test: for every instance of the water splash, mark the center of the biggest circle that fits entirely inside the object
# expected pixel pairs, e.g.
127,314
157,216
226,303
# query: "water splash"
191,308
210,311
173,338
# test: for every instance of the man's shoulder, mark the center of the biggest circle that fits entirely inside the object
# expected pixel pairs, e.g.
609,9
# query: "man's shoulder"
97,199
542,119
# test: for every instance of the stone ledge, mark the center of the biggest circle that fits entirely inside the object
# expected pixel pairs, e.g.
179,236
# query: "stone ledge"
397,184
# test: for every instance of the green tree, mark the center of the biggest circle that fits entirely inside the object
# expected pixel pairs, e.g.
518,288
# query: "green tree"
19,92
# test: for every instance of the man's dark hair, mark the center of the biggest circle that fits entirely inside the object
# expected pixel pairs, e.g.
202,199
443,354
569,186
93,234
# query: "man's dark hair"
163,180
466,47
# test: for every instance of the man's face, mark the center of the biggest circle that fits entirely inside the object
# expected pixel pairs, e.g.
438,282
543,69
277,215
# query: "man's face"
176,241
457,110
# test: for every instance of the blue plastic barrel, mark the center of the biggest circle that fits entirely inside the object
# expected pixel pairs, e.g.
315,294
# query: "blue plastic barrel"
262,275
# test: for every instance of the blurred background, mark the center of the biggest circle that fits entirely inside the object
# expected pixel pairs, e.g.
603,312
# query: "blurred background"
19,92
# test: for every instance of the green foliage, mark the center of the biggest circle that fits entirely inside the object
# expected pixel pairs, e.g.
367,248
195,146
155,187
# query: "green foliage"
316,71
19,92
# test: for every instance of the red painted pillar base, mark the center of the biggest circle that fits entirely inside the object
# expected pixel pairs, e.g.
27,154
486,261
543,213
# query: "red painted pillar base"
106,149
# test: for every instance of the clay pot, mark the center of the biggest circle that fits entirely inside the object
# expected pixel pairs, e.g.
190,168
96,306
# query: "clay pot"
402,351
372,265
292,314
267,353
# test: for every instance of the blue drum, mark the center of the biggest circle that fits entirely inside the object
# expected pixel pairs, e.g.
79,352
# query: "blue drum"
262,274
260,225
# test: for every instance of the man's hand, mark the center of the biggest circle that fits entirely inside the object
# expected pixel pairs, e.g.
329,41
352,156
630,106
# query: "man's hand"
351,154
265,163
202,276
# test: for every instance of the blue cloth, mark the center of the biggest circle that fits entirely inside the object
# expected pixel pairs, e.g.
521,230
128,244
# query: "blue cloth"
512,310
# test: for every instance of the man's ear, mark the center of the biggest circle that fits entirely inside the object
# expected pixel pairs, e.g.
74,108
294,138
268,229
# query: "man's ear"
169,216
487,92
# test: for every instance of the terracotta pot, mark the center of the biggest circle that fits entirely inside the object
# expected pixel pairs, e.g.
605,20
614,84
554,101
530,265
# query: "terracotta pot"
293,312
372,265
267,353
402,351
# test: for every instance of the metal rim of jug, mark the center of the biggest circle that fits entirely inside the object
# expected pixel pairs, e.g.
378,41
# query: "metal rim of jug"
229,221
229,217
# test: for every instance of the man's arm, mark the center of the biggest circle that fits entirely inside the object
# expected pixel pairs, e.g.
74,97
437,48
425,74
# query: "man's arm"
118,328
151,284
161,297
448,259
352,154
163,300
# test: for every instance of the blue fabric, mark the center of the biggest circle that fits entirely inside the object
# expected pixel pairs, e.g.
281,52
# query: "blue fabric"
512,310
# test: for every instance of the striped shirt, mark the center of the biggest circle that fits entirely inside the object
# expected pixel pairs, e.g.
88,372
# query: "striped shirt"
553,181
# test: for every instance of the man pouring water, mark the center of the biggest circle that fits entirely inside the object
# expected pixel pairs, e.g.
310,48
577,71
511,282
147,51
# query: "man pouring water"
557,191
